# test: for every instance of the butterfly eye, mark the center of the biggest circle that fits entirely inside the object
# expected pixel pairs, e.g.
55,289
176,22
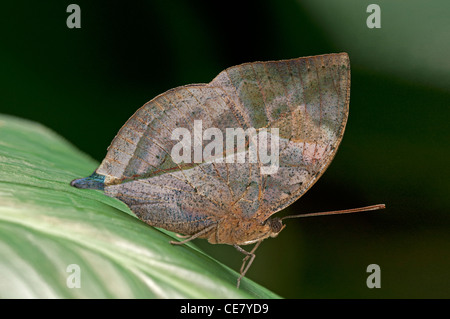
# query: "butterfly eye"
276,225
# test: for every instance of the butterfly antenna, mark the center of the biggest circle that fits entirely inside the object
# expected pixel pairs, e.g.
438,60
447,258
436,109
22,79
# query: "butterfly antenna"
336,212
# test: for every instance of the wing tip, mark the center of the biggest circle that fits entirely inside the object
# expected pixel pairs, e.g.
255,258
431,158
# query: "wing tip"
94,181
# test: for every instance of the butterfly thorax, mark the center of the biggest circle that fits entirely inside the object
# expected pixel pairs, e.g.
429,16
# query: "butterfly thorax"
232,230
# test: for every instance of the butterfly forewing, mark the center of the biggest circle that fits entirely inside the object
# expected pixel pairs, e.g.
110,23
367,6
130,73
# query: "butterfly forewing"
321,118
307,100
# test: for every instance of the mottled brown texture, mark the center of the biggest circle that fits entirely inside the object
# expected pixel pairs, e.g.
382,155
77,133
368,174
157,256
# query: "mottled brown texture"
306,98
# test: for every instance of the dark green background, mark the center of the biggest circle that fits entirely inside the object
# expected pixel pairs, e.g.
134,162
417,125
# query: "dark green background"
85,83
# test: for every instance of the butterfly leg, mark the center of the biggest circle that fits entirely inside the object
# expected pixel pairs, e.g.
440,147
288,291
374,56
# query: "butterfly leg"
246,265
182,236
196,235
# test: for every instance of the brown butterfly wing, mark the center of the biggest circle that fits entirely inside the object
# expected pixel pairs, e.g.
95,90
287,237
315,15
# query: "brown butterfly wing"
141,172
306,98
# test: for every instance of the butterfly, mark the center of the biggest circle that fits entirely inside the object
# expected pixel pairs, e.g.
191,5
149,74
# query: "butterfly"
196,186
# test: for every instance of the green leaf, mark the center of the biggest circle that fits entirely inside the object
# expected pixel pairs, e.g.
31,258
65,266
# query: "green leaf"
47,225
